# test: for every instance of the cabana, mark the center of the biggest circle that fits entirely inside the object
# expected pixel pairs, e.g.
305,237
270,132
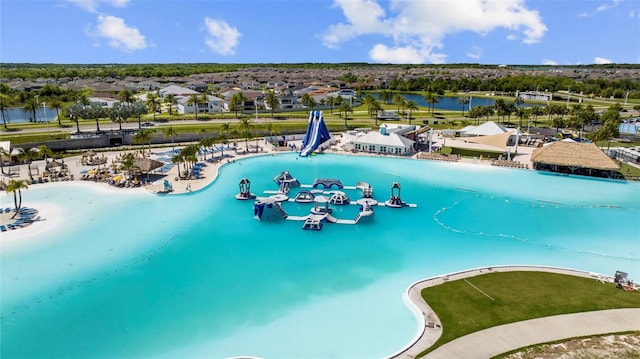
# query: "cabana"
575,158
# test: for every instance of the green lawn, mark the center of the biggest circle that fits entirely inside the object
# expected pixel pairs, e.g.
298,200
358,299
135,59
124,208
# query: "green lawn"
517,296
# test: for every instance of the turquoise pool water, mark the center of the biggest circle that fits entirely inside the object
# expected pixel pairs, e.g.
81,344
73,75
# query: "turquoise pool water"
194,275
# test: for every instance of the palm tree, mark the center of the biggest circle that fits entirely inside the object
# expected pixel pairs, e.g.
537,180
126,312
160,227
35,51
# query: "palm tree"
4,106
222,138
431,100
179,157
126,96
170,132
272,101
386,96
411,106
56,105
464,100
44,152
194,100
476,113
96,112
207,142
204,98
138,109
535,112
245,129
345,108
128,164
500,107
153,103
225,128
522,113
119,113
16,186
3,153
331,101
84,101
170,100
306,101
74,112
32,106
399,100
143,136
236,102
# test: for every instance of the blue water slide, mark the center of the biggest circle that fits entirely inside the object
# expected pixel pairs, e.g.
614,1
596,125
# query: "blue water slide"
317,133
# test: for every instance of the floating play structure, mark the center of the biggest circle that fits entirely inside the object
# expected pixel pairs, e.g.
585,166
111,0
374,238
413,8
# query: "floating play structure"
245,190
322,197
317,134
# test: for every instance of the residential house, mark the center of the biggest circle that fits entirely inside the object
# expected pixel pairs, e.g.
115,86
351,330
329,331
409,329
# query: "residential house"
213,105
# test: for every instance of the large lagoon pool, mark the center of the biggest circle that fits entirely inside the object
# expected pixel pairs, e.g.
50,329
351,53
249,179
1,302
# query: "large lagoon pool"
137,275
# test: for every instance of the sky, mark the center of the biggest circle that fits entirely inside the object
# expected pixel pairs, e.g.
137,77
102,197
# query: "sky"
532,32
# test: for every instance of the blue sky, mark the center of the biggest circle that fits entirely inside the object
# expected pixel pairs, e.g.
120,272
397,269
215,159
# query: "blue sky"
563,32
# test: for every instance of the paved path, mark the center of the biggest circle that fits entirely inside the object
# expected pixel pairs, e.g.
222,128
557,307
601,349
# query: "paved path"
497,340
493,341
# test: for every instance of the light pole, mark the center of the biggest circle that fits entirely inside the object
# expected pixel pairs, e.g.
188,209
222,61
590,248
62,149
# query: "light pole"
255,104
44,107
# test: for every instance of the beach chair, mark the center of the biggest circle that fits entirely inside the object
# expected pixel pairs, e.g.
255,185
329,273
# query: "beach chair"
3,228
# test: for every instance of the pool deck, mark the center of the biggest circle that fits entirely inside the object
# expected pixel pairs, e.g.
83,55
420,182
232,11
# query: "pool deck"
493,341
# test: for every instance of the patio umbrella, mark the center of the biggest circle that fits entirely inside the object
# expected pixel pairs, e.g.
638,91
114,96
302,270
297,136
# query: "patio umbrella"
88,153
53,164
147,165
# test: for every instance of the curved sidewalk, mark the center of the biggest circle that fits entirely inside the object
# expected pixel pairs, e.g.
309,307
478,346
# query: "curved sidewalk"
501,339
497,340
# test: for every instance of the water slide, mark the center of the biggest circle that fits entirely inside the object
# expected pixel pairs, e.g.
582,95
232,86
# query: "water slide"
317,133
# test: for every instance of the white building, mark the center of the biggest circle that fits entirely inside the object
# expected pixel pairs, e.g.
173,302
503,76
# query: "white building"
213,105
177,91
389,140
535,95
103,102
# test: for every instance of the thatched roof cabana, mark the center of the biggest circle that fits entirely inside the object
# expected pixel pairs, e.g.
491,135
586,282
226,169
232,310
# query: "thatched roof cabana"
147,165
574,158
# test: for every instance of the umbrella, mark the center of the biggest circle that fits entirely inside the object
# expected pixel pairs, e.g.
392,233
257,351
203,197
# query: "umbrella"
17,152
147,164
53,163
88,153
117,178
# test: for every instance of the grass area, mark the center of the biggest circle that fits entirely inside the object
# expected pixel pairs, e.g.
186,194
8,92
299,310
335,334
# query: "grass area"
517,296
19,138
629,172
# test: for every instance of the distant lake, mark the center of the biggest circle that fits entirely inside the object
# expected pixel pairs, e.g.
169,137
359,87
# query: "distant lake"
448,102
17,115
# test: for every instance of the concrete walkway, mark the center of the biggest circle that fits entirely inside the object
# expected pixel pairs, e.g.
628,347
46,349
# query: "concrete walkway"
497,340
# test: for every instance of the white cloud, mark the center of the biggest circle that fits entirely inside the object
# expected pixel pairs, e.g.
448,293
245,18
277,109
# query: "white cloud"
512,37
418,27
475,52
92,5
601,61
549,62
222,38
118,34
609,5
404,55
